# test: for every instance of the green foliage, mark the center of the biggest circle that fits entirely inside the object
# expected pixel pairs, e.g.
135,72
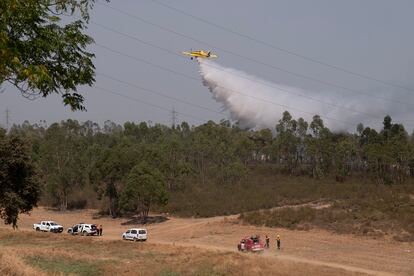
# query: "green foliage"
387,153
290,135
111,168
144,187
19,183
39,55
62,166
215,169
344,156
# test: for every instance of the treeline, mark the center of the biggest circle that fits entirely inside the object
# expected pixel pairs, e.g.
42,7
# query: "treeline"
88,165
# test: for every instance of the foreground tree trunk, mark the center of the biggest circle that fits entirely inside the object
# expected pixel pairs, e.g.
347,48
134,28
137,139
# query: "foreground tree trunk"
112,194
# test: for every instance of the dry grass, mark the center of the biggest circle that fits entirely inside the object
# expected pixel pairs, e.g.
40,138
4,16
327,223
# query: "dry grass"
11,264
364,210
30,253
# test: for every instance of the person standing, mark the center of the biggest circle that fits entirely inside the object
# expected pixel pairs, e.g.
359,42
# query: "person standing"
278,242
100,230
243,245
267,241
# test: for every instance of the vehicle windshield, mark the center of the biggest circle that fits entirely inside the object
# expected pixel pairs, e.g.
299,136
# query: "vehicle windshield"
142,232
255,239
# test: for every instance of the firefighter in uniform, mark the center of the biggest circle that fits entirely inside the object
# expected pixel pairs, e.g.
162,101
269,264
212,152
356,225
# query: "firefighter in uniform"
278,242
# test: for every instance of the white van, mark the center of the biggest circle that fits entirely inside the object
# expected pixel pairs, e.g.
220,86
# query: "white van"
135,234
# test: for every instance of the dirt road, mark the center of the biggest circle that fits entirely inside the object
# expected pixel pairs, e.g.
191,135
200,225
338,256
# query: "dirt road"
317,247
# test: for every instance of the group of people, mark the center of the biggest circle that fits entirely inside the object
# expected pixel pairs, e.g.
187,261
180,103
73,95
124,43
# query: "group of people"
267,240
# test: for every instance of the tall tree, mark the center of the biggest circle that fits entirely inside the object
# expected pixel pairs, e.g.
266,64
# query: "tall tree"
19,182
144,187
112,166
319,147
286,141
61,161
344,155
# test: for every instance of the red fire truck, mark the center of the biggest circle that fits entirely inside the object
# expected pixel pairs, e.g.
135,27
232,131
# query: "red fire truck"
252,243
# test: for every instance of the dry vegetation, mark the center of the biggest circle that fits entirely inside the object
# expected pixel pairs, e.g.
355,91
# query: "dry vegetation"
266,187
358,206
30,253
12,264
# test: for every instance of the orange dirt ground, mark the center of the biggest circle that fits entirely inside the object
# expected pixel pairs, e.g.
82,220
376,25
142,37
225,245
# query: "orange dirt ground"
314,247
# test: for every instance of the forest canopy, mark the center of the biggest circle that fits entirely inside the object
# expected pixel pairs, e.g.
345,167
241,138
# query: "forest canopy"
74,156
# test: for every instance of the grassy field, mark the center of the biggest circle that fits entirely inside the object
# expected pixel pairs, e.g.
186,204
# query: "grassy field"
32,253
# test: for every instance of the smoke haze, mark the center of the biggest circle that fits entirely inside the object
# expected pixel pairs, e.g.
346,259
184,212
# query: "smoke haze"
256,103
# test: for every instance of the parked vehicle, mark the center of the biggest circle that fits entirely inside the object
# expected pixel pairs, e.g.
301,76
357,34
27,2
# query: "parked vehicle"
252,244
74,229
84,229
135,234
48,226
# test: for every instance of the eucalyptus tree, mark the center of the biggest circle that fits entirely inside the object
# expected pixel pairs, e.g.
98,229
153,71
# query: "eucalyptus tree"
144,187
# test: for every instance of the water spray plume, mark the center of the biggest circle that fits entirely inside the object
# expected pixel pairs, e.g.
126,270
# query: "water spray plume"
256,103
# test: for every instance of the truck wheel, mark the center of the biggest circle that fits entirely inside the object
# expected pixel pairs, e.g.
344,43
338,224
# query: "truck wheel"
135,239
84,233
37,229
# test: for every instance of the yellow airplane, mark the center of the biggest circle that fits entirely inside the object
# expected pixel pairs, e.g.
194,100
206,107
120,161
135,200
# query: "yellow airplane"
200,54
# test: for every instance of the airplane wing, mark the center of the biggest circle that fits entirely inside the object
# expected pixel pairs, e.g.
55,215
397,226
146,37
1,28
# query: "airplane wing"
192,54
199,55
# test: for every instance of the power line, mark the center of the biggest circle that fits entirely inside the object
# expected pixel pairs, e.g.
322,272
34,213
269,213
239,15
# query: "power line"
261,82
147,103
237,55
289,52
184,75
192,104
148,62
189,103
158,93
102,89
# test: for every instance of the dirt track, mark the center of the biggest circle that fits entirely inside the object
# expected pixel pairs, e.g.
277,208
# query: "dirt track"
317,247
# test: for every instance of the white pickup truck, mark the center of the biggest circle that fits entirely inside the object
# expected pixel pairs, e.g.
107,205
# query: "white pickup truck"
48,226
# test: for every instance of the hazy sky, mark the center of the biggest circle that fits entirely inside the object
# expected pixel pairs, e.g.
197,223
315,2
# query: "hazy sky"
371,37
